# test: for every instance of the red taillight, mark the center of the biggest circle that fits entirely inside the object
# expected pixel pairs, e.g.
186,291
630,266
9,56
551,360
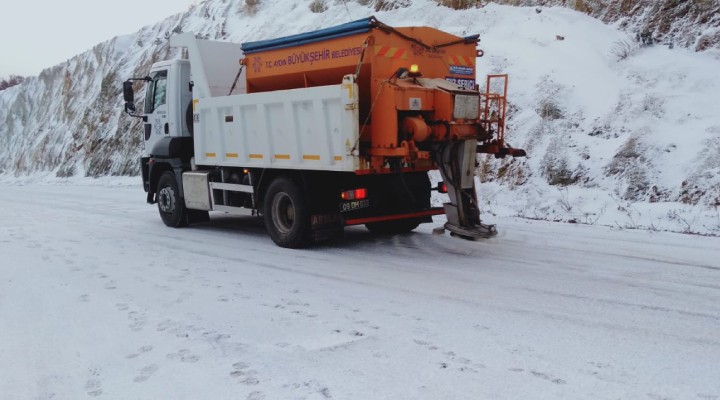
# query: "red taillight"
442,187
355,194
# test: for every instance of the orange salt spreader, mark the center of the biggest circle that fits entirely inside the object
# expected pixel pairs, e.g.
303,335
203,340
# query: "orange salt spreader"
420,107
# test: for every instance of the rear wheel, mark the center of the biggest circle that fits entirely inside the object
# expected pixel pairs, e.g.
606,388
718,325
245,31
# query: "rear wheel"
170,204
392,227
286,214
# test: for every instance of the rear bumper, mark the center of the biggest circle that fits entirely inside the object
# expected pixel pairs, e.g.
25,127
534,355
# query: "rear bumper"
424,215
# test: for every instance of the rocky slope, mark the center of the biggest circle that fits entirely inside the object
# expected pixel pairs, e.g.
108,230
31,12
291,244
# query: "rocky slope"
693,24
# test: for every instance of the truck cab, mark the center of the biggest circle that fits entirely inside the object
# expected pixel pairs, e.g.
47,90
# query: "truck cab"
168,106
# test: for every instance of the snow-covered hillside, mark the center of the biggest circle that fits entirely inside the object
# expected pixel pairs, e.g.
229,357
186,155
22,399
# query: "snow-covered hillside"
616,134
691,24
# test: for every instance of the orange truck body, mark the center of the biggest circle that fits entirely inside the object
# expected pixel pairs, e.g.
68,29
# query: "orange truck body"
389,126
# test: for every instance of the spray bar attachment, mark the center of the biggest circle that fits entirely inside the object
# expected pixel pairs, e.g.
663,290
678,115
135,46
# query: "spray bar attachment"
456,161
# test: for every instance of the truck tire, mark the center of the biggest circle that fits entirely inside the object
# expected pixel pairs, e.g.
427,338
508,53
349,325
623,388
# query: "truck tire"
170,205
286,214
392,227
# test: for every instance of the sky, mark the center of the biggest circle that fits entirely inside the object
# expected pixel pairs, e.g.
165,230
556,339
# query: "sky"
37,34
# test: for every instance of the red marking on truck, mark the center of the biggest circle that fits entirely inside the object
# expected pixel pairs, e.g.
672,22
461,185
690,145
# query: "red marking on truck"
361,221
395,53
462,61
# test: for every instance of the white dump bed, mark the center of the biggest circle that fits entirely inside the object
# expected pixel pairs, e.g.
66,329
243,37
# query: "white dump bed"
311,128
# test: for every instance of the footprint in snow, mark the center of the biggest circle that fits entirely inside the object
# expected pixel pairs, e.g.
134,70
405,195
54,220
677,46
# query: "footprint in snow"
165,325
137,321
245,375
184,355
256,396
146,372
250,380
241,365
543,375
141,350
93,387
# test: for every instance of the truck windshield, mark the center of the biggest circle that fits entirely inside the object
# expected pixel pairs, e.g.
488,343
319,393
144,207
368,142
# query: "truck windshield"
155,96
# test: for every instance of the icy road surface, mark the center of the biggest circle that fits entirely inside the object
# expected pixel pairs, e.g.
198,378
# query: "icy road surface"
98,299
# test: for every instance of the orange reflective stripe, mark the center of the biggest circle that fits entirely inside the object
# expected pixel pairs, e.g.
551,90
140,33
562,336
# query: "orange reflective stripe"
401,53
382,51
391,52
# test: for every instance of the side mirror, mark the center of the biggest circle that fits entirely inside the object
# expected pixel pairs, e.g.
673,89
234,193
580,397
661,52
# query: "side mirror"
129,96
128,93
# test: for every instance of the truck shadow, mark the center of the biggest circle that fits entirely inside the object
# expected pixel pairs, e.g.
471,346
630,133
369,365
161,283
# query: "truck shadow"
355,238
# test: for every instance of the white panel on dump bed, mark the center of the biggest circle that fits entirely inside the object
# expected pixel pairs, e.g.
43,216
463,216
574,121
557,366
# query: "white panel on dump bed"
311,128
214,64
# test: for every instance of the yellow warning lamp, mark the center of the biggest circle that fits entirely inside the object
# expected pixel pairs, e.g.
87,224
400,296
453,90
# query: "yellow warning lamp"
414,71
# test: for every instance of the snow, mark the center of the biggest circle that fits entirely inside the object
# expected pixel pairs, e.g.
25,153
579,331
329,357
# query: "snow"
99,299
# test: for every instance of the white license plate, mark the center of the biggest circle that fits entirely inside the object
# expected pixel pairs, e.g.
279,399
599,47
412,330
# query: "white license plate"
354,205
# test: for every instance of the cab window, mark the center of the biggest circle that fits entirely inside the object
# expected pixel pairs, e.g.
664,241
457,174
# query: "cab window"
156,95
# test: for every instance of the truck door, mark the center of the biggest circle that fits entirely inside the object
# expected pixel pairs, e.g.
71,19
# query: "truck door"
156,110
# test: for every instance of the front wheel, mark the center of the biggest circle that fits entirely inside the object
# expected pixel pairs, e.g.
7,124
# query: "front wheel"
170,204
286,215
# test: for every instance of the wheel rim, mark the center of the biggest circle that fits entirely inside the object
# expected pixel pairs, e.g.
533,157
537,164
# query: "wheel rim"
166,200
283,212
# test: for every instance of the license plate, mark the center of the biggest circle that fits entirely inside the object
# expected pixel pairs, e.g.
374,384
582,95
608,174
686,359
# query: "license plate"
465,83
354,205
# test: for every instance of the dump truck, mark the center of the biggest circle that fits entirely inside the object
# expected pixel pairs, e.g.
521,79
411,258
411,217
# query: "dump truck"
321,130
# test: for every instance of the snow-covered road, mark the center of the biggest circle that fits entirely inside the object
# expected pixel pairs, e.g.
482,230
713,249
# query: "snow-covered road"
99,299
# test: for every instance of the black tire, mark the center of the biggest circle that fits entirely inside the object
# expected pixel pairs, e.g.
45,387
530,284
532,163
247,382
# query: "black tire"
286,214
170,205
392,227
